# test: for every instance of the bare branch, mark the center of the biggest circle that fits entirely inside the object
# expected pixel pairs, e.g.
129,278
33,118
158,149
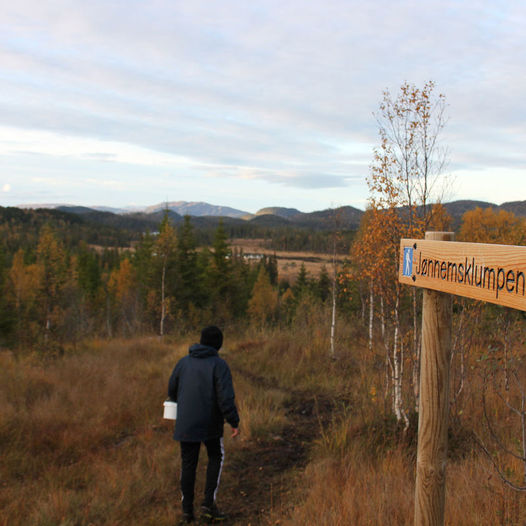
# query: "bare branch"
494,434
504,479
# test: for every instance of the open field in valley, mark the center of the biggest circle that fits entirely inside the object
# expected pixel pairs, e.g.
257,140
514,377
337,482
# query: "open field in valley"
289,263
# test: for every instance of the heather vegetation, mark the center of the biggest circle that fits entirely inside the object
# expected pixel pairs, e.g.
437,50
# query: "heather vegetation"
83,441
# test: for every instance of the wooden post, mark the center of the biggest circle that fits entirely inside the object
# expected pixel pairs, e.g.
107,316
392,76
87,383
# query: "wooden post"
433,403
486,272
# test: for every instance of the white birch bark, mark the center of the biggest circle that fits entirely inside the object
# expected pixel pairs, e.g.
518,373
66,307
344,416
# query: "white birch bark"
371,314
398,368
334,277
333,321
382,316
163,302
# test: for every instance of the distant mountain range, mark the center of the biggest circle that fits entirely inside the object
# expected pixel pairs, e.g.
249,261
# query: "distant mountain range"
197,209
346,217
278,211
182,208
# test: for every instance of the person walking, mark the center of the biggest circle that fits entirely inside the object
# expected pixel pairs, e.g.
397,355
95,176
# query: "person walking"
201,384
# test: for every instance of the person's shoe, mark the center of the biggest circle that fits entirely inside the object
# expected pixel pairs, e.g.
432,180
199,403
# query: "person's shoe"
187,518
212,514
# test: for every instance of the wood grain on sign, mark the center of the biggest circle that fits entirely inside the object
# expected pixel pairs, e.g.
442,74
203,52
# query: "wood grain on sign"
494,273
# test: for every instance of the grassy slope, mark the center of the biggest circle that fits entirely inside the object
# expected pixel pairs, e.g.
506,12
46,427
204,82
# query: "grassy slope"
83,441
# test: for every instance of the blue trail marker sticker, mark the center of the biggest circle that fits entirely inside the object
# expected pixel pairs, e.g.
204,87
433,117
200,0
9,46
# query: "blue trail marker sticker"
408,262
484,272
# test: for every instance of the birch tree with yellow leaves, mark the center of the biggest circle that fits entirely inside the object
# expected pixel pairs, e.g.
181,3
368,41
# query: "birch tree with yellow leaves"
165,247
52,267
406,175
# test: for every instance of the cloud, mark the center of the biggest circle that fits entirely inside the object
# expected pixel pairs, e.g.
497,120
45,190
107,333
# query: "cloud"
280,93
16,141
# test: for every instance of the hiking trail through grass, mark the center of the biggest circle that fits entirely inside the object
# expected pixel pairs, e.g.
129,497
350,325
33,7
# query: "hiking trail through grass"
261,476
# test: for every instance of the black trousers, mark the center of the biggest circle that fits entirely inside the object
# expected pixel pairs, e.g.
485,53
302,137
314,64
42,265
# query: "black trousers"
189,459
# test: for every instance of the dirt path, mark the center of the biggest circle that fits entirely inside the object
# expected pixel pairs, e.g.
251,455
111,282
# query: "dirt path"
261,474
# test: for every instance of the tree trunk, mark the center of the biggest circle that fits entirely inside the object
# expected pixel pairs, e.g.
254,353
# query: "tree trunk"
371,314
163,305
108,316
47,327
333,321
398,367
382,316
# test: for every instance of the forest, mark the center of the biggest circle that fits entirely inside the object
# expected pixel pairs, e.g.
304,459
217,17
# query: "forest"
61,283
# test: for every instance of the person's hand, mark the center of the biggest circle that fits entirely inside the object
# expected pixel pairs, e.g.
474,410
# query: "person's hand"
235,432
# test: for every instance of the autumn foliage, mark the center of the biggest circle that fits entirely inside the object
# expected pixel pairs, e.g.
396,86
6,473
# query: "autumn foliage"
489,226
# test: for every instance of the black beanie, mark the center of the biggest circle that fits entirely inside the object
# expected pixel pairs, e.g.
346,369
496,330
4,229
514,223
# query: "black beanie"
212,336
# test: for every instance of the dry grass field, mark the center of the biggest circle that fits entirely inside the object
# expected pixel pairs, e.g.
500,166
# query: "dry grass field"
289,263
83,440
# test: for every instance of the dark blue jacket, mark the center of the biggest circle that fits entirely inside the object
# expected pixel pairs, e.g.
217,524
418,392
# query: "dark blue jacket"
201,384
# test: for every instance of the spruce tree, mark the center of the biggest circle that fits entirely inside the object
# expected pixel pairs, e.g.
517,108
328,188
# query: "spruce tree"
220,273
88,270
324,284
142,262
301,285
189,271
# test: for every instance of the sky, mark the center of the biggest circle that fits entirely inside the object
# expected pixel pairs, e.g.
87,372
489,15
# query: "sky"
249,104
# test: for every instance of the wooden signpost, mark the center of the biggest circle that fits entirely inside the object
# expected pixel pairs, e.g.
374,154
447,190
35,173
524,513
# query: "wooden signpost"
493,273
